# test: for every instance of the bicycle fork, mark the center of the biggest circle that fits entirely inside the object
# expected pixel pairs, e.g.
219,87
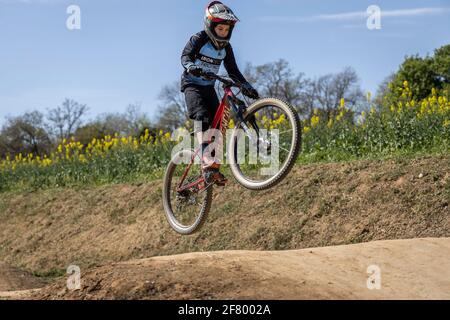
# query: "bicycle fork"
239,106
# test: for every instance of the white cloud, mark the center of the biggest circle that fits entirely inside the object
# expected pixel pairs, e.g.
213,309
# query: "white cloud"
30,1
358,15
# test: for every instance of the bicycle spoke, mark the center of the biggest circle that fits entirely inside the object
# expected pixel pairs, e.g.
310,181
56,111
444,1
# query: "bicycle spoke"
269,118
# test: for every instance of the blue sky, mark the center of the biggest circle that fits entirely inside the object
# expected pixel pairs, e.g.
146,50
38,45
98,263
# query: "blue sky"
127,50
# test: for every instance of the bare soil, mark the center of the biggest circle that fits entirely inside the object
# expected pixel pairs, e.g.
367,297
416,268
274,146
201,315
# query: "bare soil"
409,269
320,205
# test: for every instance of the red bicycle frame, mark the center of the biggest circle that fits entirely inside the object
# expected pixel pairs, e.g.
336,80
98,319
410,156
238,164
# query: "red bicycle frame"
220,122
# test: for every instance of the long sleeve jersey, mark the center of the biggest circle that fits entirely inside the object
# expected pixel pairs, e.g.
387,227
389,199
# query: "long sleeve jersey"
200,51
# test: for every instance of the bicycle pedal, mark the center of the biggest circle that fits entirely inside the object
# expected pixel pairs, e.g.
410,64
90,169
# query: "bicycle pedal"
221,183
214,176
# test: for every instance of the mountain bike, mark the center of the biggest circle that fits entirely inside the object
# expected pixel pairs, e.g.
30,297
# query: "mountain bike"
187,196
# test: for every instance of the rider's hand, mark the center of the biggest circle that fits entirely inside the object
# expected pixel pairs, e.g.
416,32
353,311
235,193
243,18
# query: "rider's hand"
209,75
195,70
249,91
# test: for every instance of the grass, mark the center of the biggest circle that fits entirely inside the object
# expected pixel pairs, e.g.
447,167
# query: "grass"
400,156
50,273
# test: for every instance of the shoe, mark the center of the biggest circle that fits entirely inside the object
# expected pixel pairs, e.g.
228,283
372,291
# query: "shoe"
215,176
207,165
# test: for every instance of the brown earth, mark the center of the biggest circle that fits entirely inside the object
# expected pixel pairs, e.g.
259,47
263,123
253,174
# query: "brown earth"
409,269
13,279
317,205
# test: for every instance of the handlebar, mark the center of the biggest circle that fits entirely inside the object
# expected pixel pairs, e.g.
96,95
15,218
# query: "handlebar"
228,82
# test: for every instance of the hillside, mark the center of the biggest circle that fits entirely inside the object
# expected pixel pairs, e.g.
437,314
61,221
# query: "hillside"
317,205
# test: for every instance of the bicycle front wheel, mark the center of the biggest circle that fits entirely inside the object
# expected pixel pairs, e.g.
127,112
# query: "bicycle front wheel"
272,131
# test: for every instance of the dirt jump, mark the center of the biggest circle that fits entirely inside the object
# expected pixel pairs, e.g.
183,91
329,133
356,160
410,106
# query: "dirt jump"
386,222
408,269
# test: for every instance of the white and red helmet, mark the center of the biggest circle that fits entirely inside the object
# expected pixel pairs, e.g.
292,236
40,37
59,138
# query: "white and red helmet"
218,13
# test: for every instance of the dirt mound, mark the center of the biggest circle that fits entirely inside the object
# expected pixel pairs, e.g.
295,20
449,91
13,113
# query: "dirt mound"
13,279
409,269
317,205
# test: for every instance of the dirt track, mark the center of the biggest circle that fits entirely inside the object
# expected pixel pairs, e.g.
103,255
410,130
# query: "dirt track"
16,284
320,205
105,229
410,269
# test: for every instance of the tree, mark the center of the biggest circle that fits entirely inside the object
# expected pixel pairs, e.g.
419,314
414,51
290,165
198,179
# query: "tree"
173,114
25,134
423,74
137,120
419,74
383,90
330,89
441,64
129,123
277,79
86,133
65,119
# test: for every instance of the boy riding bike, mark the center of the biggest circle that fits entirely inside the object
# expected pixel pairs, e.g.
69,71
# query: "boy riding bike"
203,54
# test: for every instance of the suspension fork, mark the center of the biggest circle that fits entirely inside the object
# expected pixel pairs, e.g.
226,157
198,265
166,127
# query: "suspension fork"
238,106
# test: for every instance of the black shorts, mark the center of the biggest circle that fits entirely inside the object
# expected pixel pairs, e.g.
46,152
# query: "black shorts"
202,104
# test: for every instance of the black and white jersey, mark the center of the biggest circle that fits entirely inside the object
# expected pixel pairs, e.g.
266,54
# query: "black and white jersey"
201,52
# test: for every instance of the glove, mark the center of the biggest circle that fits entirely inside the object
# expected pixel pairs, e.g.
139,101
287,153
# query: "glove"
249,91
195,70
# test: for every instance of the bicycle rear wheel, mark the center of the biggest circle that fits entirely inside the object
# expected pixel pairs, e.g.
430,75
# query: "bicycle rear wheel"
186,210
272,129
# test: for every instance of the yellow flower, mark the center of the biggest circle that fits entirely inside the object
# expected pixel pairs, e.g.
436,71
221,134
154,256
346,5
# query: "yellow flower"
342,104
340,115
82,158
306,129
46,162
330,123
314,121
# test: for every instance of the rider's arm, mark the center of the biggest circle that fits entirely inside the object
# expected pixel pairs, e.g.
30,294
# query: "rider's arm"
231,66
192,48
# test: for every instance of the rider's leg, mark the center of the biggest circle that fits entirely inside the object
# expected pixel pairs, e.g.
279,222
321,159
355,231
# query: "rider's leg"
202,104
197,105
